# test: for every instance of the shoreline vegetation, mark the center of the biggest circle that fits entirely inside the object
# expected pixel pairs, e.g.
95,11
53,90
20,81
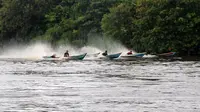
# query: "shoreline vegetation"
152,26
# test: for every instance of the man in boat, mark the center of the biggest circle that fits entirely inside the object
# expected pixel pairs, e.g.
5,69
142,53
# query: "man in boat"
130,52
105,53
53,56
66,54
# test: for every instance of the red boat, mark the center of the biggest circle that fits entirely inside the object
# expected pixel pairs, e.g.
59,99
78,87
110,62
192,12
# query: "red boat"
167,54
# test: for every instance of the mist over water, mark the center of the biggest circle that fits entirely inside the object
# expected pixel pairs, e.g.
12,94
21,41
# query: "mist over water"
38,50
112,46
90,49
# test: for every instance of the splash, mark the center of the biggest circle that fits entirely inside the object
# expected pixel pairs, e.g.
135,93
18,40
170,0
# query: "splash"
39,49
36,50
103,43
60,50
90,50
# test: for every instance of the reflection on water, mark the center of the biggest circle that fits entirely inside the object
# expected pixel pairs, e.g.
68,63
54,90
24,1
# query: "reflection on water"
99,86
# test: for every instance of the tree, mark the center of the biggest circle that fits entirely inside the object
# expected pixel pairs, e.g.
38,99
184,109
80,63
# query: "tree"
76,20
21,19
167,24
119,22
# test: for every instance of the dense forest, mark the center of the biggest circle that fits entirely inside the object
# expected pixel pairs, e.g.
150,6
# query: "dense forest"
153,26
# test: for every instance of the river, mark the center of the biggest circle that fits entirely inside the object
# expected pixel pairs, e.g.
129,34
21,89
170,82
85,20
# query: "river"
97,85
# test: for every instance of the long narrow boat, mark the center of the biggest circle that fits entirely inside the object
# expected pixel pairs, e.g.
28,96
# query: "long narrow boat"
169,54
113,56
76,57
132,56
139,55
49,58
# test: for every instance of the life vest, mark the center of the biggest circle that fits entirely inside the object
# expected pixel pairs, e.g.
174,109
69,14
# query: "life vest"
129,53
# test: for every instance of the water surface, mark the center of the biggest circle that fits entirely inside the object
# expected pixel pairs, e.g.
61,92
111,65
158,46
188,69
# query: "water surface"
129,86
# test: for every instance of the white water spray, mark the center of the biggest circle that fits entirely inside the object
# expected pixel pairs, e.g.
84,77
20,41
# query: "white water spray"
38,50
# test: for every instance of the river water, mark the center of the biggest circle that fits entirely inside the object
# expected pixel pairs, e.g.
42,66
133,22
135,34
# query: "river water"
129,86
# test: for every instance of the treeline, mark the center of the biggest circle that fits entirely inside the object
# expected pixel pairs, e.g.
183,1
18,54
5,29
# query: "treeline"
144,25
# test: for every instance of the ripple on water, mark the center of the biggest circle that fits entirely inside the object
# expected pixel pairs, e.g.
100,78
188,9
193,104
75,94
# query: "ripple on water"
99,86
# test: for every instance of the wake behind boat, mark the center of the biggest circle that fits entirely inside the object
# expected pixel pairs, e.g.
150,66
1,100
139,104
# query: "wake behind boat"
93,55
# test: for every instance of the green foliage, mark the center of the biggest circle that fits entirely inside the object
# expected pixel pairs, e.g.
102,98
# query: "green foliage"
144,25
21,19
119,22
168,24
76,19
155,25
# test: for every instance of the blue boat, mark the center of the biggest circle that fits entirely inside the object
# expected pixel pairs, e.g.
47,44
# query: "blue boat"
113,56
76,57
133,56
139,55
